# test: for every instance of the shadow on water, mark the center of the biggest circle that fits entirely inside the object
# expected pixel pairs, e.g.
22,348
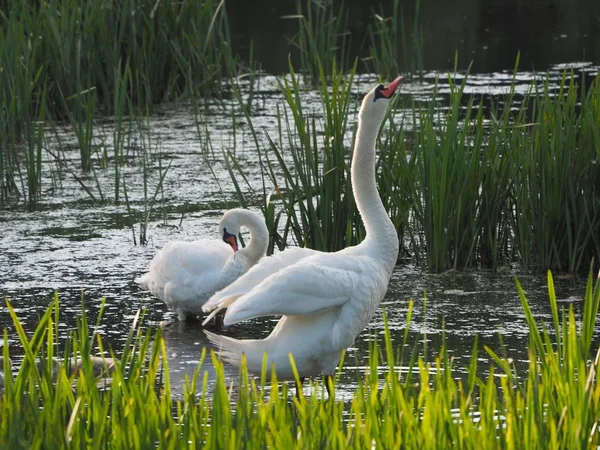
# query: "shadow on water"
82,248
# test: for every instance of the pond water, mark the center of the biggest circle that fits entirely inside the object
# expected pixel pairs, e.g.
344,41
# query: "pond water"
488,34
80,248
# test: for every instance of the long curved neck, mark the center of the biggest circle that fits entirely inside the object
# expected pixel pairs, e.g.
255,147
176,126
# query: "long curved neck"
259,238
381,234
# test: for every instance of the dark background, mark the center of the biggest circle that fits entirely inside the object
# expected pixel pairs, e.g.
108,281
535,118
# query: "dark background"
488,33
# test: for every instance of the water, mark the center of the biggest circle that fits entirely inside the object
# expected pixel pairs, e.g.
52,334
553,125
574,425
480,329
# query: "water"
488,34
80,248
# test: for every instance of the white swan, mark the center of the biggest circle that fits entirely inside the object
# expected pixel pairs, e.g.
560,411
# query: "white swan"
326,299
185,274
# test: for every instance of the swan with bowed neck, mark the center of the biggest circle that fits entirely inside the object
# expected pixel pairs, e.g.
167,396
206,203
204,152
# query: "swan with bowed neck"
185,274
325,299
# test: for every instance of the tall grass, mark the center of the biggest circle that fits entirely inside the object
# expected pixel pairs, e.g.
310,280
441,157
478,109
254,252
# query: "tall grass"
395,43
70,60
449,152
323,39
555,404
521,185
557,189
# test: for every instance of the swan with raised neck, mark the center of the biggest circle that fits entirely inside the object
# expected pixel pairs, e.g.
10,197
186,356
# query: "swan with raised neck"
325,299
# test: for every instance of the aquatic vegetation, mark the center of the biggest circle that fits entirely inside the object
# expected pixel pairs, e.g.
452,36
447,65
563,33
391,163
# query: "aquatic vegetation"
72,60
472,185
401,399
323,39
525,186
557,189
396,44
449,144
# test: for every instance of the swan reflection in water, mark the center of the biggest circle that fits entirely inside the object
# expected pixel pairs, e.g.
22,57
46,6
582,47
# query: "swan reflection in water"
185,343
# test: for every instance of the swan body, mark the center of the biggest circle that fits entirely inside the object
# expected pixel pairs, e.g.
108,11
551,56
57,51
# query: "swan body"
325,299
185,274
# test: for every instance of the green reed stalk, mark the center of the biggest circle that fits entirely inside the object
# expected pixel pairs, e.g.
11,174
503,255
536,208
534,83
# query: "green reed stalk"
323,39
35,133
556,190
121,101
394,45
450,146
500,161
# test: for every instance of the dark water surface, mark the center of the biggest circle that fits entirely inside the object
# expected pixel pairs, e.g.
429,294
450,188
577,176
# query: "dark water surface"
488,34
77,247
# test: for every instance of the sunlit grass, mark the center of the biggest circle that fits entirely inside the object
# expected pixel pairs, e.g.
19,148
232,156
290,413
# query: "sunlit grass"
554,404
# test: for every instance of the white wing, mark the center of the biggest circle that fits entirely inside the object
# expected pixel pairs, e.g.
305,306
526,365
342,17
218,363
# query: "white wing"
259,272
310,286
316,282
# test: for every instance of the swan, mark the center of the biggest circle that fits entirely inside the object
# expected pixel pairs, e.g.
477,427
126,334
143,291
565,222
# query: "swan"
325,299
185,274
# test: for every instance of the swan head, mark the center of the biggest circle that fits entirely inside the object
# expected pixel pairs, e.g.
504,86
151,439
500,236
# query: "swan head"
231,223
229,227
376,102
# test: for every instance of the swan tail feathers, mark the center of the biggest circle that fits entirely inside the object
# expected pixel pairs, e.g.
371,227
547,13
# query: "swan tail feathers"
231,350
221,305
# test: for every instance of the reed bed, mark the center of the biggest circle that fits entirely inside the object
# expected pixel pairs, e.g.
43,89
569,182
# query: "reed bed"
555,404
473,188
71,61
470,186
520,185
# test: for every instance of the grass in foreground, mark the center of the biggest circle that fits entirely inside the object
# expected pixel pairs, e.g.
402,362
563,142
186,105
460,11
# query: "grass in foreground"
555,405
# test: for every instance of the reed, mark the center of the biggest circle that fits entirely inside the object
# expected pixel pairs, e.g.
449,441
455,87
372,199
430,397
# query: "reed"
74,58
323,40
553,404
556,190
515,184
395,43
312,200
449,145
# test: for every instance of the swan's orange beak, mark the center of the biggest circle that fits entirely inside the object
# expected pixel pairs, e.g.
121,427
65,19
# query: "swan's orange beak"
231,240
388,90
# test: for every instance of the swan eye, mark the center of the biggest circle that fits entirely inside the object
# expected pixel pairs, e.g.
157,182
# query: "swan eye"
379,92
